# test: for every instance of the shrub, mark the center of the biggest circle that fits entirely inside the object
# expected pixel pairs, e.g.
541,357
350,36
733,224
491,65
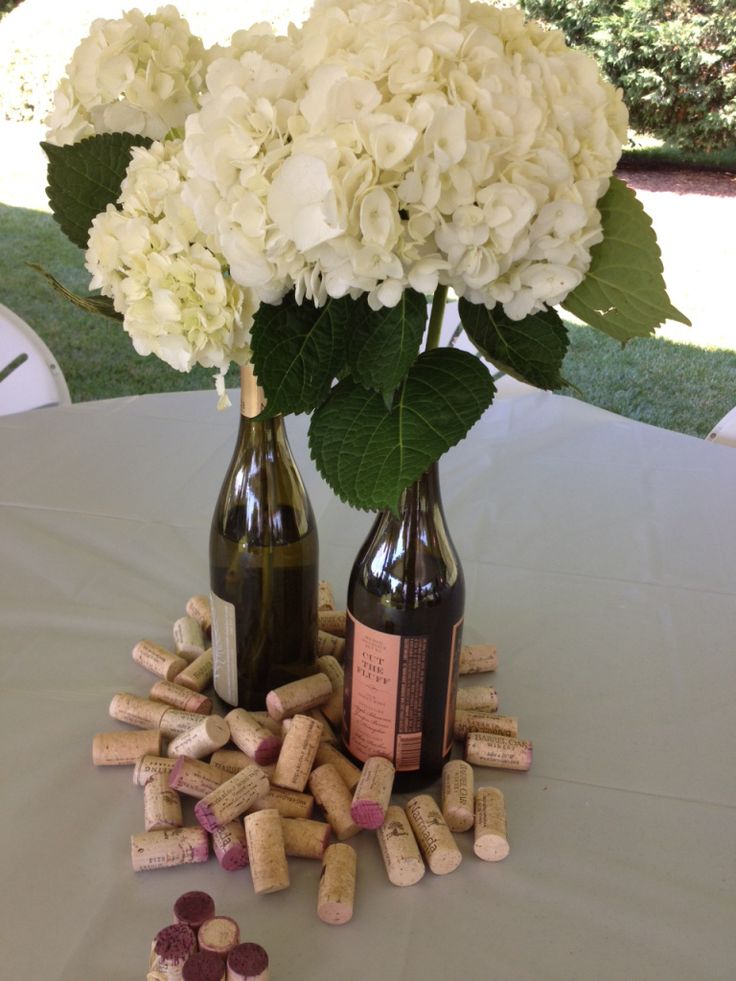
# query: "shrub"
674,59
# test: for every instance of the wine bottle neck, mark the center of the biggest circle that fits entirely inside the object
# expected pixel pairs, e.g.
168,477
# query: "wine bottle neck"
252,398
424,493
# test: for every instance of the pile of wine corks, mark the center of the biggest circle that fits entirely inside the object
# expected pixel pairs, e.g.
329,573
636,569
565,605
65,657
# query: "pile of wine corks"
203,946
257,778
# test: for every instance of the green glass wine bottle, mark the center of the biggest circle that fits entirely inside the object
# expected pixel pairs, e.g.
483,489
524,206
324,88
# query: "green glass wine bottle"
406,597
263,563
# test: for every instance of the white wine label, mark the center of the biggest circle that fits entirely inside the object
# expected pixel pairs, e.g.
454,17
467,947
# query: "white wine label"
457,632
387,696
224,654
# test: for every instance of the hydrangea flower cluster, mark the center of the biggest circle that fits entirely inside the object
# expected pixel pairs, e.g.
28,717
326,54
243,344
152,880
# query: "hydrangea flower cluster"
137,74
381,146
152,259
390,145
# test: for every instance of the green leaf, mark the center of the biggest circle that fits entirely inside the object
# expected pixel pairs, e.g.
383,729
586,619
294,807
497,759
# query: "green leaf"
623,293
85,177
531,350
384,343
297,351
368,454
92,304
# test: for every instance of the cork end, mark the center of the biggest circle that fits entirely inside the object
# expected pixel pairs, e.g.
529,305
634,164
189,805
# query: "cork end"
491,848
367,814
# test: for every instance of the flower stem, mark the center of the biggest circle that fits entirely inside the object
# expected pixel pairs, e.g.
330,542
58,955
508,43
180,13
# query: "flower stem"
435,318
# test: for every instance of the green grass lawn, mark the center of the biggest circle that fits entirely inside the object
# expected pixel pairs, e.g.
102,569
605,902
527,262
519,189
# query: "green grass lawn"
676,386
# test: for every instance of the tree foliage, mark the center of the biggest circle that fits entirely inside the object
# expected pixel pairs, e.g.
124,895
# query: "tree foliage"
674,59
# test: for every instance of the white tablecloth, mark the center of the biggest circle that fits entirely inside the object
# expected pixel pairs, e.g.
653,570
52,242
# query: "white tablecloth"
600,558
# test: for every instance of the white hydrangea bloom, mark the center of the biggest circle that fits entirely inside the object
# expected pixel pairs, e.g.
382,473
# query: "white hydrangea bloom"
162,272
137,74
387,145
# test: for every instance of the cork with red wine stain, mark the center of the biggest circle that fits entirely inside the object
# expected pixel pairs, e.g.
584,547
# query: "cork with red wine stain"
230,846
204,966
231,798
372,795
247,962
173,945
193,908
250,736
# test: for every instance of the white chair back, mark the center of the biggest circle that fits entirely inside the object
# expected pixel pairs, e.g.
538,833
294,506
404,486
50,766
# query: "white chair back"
724,432
38,380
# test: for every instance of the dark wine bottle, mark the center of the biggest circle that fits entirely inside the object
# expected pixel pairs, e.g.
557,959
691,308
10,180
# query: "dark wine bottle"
263,563
406,597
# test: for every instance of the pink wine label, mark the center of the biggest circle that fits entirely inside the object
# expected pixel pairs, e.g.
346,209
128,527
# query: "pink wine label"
386,696
224,652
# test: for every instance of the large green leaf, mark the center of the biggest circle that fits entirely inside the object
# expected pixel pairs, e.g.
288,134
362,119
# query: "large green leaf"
368,454
91,303
85,177
531,349
297,352
384,343
623,293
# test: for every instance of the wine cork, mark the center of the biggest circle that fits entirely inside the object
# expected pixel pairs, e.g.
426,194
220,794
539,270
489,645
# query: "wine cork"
474,697
231,760
165,849
175,721
136,711
178,696
247,962
304,838
335,799
230,846
193,908
251,737
209,735
332,708
158,660
204,966
297,753
125,748
326,596
196,675
399,848
172,946
476,658
329,644
189,639
490,840
195,778
332,622
467,720
348,771
262,716
434,837
457,795
487,749
147,766
327,733
268,866
298,696
219,935
373,793
289,803
199,609
336,895
232,798
161,805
